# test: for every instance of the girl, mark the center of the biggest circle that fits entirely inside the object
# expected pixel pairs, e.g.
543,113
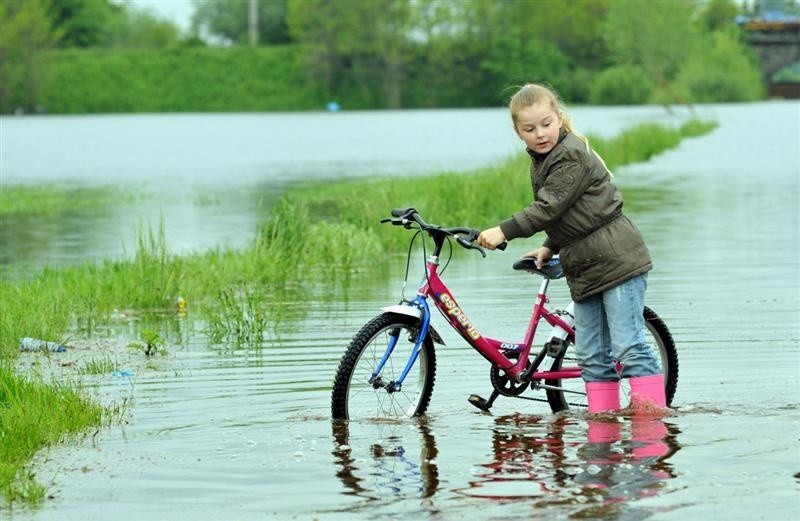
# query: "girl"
602,252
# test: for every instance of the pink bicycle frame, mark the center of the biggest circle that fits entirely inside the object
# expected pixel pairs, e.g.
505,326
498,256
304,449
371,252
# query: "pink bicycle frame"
491,348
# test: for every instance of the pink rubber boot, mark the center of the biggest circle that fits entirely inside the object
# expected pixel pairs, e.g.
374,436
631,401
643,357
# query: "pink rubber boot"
648,395
602,396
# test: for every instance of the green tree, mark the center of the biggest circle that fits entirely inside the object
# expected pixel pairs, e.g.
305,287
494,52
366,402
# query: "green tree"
140,29
553,41
26,28
229,20
723,70
448,48
718,14
658,36
355,45
516,58
85,23
575,27
621,85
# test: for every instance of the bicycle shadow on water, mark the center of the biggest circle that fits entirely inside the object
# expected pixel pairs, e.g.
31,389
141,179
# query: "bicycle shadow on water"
559,464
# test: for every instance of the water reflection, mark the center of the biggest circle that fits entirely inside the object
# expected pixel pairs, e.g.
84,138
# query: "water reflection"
394,472
529,459
619,469
542,461
620,461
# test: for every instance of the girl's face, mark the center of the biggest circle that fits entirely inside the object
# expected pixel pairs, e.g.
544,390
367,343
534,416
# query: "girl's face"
538,126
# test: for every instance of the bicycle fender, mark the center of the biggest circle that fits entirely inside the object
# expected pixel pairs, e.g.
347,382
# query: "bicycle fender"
400,309
412,311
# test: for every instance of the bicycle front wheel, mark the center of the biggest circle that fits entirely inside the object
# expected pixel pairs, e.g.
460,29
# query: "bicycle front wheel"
571,393
360,393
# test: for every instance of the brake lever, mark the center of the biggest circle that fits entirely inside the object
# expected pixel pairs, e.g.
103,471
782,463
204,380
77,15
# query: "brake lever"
468,244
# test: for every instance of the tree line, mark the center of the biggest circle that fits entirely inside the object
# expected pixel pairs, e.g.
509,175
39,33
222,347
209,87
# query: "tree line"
413,53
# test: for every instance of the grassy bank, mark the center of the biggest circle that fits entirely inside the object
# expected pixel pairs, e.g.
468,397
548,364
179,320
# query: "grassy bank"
38,200
35,415
326,234
88,81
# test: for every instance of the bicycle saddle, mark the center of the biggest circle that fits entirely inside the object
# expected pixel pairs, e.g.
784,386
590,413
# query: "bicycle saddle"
551,270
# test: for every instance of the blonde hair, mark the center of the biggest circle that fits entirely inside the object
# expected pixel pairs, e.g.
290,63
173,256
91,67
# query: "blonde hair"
533,93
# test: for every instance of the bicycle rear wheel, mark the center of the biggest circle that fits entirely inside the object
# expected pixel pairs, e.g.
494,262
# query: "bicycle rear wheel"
657,336
358,393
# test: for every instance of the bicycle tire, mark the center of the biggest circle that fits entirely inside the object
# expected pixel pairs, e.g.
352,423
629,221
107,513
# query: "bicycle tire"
662,343
355,398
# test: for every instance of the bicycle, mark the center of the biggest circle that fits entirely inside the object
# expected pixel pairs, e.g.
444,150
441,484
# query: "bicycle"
374,379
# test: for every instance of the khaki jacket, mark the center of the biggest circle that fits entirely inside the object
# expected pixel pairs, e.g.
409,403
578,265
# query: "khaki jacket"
580,209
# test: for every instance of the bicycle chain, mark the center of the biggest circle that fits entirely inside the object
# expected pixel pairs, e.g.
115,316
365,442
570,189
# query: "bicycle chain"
545,401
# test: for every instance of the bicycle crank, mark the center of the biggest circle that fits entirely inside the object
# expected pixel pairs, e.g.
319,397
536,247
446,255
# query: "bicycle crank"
504,384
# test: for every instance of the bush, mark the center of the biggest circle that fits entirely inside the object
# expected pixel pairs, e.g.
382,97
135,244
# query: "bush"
723,71
621,85
185,79
574,85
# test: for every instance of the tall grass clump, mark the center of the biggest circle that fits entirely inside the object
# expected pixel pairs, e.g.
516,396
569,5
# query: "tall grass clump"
101,365
150,280
238,316
696,128
40,308
644,141
154,277
355,207
35,415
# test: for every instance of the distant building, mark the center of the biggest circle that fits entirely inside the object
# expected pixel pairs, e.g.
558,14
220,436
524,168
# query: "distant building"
775,37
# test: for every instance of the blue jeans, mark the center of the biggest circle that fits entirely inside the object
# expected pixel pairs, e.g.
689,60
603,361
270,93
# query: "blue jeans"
609,334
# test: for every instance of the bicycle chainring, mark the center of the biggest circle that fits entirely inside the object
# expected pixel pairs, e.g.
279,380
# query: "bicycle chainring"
503,383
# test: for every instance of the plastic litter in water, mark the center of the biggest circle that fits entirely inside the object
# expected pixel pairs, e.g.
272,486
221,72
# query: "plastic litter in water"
36,344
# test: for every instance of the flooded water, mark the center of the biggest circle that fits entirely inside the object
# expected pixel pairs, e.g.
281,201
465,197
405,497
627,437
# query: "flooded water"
215,432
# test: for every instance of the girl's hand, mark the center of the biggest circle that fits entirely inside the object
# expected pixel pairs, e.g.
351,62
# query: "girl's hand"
542,254
491,238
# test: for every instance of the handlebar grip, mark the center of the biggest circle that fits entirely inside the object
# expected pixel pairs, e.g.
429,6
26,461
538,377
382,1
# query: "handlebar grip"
502,246
403,212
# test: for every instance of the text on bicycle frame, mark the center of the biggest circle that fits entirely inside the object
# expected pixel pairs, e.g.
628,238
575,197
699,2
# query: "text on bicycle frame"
455,311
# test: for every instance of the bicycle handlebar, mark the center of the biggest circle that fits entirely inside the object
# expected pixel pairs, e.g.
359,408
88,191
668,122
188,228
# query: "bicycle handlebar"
465,236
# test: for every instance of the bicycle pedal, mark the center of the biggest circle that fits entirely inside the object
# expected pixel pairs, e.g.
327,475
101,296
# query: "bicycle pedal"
480,403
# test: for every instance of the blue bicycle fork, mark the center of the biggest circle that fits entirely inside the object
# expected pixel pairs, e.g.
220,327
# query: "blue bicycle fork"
421,303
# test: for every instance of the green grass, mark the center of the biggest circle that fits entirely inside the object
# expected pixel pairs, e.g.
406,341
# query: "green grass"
642,142
96,366
317,236
34,415
52,199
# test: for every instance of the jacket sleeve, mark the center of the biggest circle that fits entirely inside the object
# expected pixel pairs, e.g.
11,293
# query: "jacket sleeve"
548,242
563,186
